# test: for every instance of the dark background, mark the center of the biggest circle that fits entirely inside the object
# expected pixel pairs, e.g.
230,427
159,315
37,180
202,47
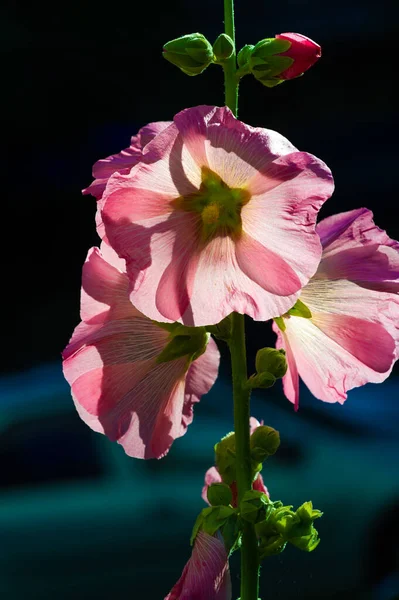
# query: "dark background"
78,80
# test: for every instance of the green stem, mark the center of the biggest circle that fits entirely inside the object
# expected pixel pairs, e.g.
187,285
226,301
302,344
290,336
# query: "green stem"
241,395
230,66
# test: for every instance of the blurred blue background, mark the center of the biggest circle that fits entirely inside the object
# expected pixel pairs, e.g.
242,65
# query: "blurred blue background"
78,519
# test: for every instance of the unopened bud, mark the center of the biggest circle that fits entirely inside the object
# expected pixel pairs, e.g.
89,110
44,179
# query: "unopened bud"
223,48
191,53
270,360
264,442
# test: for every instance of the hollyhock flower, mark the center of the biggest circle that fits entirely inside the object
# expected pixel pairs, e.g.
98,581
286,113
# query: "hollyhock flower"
213,476
206,575
351,337
303,51
217,217
122,383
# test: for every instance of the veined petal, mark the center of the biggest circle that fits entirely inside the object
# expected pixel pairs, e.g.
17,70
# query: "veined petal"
329,369
206,575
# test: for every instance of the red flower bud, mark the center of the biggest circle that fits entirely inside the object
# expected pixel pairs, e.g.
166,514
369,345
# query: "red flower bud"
304,52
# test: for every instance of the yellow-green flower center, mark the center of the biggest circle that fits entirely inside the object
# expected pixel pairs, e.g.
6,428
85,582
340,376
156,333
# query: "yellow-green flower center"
218,205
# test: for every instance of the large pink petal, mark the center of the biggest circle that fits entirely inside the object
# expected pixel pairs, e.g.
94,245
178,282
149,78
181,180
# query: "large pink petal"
291,378
206,575
283,217
328,369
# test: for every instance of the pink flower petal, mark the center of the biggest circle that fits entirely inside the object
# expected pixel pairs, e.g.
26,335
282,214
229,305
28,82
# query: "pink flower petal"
283,216
260,486
125,160
329,369
206,575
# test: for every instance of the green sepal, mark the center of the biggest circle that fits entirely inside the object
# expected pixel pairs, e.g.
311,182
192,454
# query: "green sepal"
300,310
219,494
307,513
190,345
223,47
231,533
254,506
222,331
225,458
192,53
271,360
306,543
270,46
211,519
272,546
280,323
264,442
244,55
261,381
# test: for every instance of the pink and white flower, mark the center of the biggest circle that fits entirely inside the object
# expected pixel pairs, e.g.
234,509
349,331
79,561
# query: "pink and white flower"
206,575
216,217
118,386
352,336
213,476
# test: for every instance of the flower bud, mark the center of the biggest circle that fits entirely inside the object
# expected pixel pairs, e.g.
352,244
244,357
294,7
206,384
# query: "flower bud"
191,53
264,442
270,360
223,48
274,60
304,52
219,494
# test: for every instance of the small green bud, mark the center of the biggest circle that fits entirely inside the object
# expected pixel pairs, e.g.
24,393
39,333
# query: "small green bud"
271,546
272,361
225,458
191,53
223,48
261,381
191,345
307,513
300,310
264,442
244,55
219,494
306,543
